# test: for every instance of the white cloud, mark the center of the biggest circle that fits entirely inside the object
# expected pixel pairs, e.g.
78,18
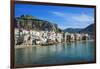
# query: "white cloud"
83,18
73,20
62,26
60,14
75,17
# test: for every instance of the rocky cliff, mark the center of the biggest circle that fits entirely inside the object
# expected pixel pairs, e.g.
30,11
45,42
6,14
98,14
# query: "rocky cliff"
30,22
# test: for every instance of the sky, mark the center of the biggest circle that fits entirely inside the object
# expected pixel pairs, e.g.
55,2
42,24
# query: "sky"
63,16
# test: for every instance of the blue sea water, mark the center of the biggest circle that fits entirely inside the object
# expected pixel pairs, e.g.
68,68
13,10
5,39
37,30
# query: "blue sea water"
80,51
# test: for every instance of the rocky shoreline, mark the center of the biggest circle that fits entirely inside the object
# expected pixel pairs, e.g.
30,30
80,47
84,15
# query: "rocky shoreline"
30,46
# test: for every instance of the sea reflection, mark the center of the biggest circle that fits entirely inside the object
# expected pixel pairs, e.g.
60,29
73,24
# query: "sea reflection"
59,53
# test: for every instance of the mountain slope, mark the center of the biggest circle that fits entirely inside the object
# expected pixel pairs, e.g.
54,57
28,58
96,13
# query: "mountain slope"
88,29
29,22
72,30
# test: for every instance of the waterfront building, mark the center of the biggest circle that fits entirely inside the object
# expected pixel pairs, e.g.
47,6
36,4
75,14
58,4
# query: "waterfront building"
42,37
